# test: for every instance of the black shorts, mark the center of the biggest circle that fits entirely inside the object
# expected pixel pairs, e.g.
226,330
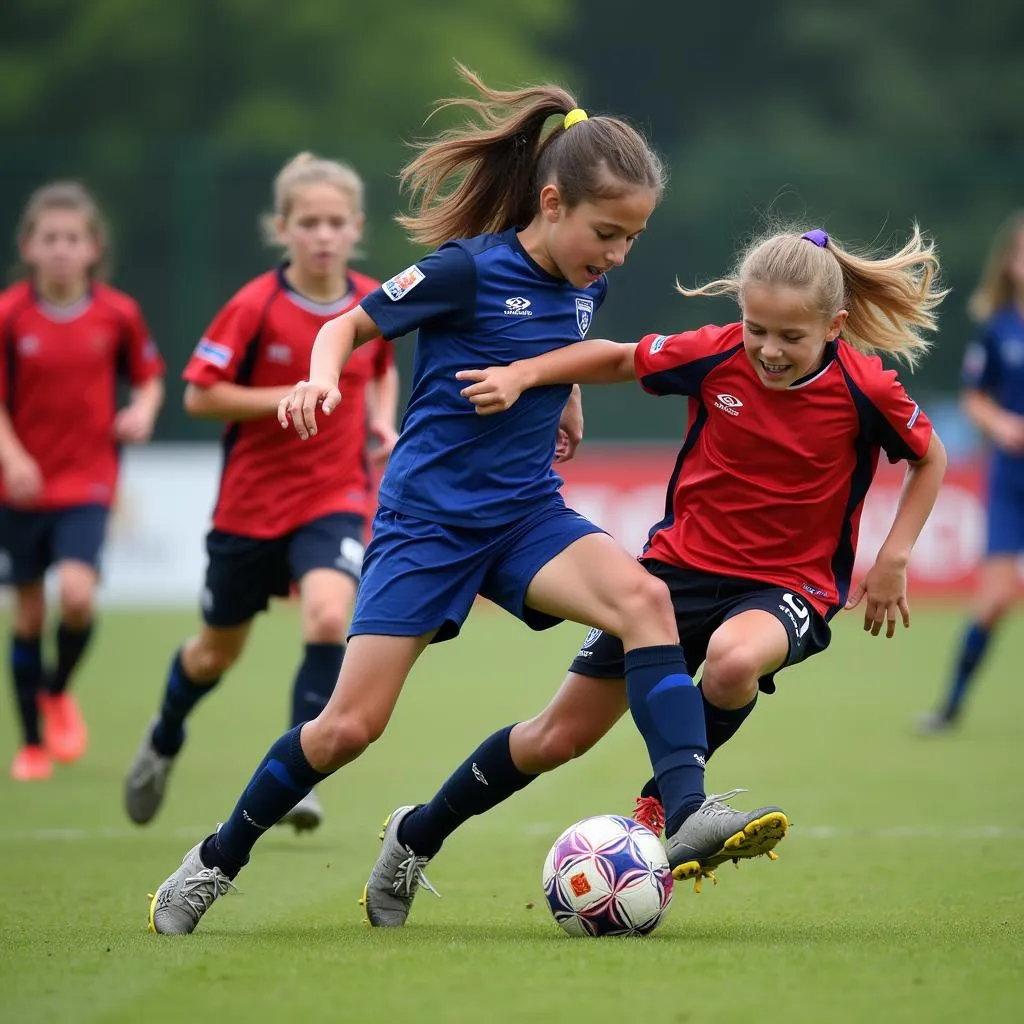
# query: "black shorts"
702,602
32,541
244,573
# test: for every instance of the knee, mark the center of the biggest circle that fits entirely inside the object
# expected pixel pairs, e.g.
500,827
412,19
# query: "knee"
341,737
77,600
325,623
646,600
731,674
206,661
542,746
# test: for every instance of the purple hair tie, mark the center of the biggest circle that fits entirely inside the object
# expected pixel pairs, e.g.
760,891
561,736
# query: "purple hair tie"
817,236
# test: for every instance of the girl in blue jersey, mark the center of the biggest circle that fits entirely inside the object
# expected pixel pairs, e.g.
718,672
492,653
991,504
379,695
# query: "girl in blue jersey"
529,221
993,398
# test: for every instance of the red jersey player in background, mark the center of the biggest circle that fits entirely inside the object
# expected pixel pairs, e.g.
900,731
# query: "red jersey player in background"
788,412
272,528
66,339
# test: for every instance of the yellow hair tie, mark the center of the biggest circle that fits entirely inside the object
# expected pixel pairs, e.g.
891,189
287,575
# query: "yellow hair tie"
574,117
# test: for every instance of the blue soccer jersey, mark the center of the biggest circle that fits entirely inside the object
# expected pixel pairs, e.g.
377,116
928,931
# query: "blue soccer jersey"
478,302
994,363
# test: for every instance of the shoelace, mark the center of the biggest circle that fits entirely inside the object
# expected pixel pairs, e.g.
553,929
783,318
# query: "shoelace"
154,766
409,876
202,888
649,813
715,803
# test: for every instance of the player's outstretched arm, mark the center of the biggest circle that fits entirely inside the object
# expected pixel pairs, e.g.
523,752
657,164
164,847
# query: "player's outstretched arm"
884,588
587,362
333,345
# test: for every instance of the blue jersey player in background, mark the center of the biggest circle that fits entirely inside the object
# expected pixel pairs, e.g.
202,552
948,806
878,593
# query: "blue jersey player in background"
470,505
993,379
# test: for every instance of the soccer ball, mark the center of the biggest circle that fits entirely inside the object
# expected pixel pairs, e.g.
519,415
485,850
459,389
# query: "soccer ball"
607,875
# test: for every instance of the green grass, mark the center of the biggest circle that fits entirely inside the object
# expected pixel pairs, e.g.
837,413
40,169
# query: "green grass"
890,900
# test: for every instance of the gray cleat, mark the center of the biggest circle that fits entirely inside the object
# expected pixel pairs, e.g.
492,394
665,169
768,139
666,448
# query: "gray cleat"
716,832
398,873
182,900
146,782
932,722
306,815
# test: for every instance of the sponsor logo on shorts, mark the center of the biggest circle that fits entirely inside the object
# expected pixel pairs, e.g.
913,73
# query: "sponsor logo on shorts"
591,638
403,283
350,556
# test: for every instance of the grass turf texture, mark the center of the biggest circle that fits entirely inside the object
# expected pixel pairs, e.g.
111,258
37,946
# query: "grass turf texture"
898,894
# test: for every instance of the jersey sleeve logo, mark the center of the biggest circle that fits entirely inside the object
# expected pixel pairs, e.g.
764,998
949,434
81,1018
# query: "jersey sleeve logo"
214,352
403,283
658,344
584,314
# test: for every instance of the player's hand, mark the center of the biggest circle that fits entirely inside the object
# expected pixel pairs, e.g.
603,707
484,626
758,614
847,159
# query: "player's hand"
133,425
885,591
1008,433
300,404
22,479
570,428
495,389
386,437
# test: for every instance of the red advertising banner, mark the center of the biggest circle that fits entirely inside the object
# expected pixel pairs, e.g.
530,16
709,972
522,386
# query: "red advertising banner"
623,490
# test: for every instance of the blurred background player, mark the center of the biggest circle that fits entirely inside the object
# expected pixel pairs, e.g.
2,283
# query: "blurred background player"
468,506
285,511
993,399
66,340
784,414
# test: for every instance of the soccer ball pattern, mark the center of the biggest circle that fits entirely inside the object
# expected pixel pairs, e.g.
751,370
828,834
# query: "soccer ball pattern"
607,875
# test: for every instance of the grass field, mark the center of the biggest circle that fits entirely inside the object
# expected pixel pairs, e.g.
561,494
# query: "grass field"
898,895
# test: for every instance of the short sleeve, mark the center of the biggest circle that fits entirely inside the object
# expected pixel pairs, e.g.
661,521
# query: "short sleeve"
982,368
676,364
900,427
144,361
222,348
441,285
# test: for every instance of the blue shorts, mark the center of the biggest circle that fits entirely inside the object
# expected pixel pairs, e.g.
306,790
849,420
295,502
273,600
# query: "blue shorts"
244,573
1005,533
421,576
32,541
702,602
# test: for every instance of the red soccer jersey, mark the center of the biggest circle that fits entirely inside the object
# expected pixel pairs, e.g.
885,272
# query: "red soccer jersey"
271,482
59,370
769,485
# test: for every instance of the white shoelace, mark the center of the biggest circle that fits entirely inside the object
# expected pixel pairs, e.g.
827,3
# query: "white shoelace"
409,876
715,803
201,889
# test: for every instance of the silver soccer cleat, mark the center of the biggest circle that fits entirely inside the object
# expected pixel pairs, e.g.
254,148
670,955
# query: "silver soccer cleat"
716,832
306,815
146,781
177,906
397,875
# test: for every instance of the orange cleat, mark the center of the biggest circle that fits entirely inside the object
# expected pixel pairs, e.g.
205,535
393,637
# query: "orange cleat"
649,813
64,731
31,764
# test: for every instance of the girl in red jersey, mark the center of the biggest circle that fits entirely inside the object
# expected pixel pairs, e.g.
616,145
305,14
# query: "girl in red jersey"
271,528
788,412
63,332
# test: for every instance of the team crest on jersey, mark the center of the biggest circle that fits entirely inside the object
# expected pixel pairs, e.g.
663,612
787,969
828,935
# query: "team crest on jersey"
584,314
403,283
1012,351
279,353
28,345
